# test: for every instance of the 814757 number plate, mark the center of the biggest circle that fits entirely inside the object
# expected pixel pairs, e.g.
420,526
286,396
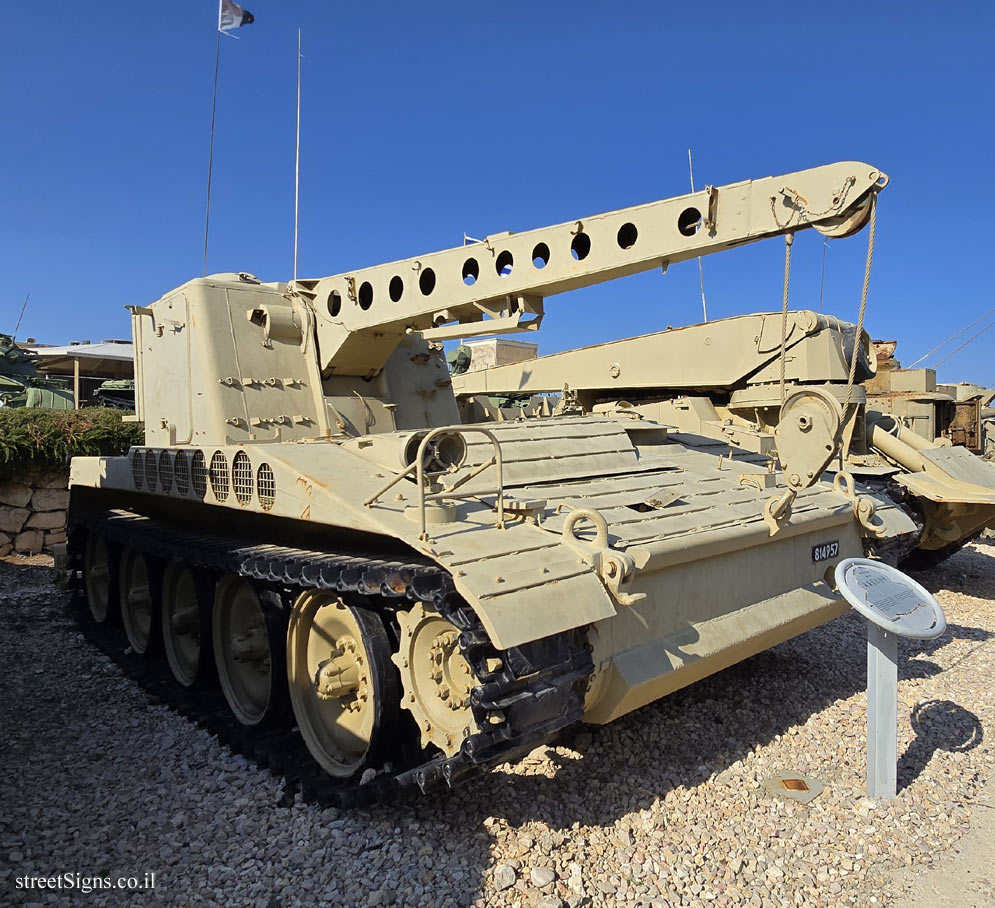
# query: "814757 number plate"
825,551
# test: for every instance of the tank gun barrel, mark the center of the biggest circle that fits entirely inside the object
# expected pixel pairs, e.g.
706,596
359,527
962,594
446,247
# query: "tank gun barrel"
498,285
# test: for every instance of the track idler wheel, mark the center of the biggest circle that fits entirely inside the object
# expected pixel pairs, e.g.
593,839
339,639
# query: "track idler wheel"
437,679
140,589
100,575
248,633
187,598
343,688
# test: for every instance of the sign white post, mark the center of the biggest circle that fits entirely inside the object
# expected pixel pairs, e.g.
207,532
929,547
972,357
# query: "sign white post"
894,606
882,711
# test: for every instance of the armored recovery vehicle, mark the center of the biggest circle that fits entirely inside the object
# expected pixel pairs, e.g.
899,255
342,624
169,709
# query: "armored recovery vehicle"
307,512
722,383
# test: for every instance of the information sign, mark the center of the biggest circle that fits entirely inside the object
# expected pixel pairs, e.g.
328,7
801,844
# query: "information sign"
894,606
890,599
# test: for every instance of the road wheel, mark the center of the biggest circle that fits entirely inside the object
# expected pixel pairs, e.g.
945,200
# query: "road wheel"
100,578
343,687
187,597
139,598
249,640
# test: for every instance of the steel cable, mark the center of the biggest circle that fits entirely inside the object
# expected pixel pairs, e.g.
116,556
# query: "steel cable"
789,238
847,415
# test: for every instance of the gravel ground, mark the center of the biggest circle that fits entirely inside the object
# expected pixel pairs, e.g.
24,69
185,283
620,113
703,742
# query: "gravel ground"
964,877
664,807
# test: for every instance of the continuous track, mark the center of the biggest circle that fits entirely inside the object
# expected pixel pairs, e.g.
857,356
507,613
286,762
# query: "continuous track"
538,690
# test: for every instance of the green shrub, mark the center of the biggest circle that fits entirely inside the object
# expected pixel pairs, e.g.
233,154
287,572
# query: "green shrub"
49,439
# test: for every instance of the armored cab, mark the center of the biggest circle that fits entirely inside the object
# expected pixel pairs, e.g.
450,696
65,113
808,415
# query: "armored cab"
309,518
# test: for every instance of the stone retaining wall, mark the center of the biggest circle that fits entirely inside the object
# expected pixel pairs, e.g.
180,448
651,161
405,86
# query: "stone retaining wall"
33,511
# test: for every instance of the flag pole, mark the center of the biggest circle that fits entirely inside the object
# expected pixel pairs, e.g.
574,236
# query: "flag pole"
210,155
297,159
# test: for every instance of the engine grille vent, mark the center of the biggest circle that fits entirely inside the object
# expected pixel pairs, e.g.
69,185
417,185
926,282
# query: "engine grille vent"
166,470
219,475
241,477
150,470
266,484
137,468
181,472
198,474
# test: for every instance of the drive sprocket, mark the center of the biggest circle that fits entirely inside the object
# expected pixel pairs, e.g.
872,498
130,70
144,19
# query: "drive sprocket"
437,678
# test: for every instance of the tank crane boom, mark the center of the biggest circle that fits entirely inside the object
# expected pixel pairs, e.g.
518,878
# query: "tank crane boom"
499,285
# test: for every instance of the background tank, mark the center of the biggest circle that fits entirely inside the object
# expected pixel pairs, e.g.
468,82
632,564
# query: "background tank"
309,519
115,393
968,396
20,384
934,412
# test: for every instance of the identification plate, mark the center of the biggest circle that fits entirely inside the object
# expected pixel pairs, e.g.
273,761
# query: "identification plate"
825,551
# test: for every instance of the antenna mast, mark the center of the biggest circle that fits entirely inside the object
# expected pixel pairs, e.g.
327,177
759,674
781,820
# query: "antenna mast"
297,158
822,280
963,345
210,153
952,337
701,272
24,306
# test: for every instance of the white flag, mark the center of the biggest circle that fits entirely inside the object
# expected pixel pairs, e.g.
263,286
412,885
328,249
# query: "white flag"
231,15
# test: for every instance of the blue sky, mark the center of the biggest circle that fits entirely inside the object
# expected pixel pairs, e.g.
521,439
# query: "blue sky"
421,121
